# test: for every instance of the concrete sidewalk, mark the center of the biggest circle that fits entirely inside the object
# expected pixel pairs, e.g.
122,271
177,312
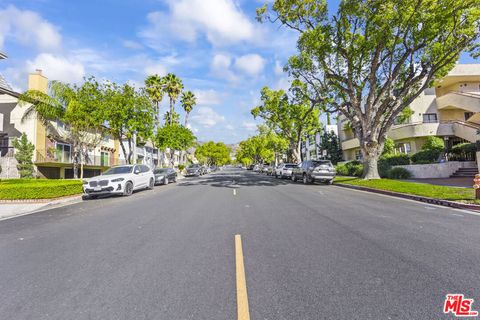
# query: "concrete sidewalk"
9,210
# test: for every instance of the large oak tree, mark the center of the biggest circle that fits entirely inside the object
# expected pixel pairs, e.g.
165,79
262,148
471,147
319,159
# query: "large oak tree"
372,58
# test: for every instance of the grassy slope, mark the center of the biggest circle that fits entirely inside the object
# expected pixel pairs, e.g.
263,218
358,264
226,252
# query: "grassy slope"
19,189
419,189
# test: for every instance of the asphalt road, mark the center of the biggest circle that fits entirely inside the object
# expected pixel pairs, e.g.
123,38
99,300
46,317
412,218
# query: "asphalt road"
310,252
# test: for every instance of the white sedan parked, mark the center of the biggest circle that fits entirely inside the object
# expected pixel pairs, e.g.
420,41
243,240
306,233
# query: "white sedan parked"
284,170
121,180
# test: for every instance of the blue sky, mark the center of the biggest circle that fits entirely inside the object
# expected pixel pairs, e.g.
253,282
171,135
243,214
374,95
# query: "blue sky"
215,46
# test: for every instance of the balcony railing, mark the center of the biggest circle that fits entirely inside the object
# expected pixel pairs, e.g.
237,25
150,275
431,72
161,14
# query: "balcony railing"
97,161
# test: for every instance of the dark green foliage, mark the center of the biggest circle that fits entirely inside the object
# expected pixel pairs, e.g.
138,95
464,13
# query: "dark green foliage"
426,156
434,143
464,148
341,169
24,155
397,159
399,173
181,167
13,189
331,143
354,168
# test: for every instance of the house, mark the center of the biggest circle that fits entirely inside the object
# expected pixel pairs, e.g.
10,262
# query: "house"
450,110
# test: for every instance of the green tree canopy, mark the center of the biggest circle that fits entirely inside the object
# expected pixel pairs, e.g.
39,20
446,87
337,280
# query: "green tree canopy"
372,58
24,156
188,102
174,137
212,153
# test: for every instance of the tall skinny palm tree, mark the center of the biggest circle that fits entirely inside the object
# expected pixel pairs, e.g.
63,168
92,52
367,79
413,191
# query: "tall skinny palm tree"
154,86
188,101
173,88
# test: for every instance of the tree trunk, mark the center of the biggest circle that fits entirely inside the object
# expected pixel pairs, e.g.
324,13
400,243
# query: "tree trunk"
75,162
296,152
371,151
171,112
186,119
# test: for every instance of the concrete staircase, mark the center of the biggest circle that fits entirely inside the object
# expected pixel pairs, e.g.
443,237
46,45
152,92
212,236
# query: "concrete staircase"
465,173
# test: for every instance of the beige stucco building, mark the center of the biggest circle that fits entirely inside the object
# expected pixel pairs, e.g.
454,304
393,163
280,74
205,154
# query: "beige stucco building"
451,111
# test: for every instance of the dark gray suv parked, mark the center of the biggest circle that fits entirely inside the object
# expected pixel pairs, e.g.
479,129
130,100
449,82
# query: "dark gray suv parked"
310,171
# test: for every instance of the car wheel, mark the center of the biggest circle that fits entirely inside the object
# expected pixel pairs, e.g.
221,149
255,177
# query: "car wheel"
293,178
305,179
128,189
165,180
151,184
329,181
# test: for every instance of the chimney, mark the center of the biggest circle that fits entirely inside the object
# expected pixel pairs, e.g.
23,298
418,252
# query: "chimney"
37,81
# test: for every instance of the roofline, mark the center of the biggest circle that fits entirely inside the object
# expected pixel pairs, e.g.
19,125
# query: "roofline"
9,92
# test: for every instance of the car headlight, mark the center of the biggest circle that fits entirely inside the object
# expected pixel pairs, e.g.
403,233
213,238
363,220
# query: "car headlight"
159,177
85,182
118,180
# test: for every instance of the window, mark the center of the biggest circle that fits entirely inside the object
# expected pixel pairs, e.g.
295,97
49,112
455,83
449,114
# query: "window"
104,159
63,152
313,154
358,155
468,115
403,147
430,118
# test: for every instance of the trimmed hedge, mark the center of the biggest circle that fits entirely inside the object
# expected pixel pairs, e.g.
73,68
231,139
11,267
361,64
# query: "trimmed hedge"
426,156
464,147
399,173
21,189
342,169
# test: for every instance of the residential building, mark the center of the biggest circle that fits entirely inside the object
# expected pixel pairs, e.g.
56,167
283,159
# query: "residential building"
450,110
311,146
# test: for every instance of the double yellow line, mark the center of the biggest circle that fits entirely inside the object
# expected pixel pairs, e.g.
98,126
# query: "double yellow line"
242,296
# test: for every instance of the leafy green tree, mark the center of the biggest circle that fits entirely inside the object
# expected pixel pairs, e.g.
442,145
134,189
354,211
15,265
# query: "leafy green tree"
24,156
389,147
331,144
174,137
434,143
291,117
371,59
188,102
128,115
77,107
174,120
154,86
212,153
173,88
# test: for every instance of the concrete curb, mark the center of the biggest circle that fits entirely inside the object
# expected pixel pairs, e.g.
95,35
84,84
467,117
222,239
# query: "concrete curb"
445,203
47,201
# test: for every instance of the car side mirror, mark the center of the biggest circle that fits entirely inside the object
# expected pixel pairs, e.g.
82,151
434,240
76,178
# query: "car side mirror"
136,171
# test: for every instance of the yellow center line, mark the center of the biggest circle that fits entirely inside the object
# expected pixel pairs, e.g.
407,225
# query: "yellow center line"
242,297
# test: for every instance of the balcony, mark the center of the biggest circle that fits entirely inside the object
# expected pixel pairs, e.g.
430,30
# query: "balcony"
420,129
63,159
460,100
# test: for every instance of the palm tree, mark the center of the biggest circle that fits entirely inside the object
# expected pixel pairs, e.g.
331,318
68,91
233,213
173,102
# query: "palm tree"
173,88
155,85
188,101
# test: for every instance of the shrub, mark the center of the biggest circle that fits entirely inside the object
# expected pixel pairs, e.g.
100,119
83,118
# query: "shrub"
464,148
24,154
383,167
181,167
356,170
388,146
426,156
434,143
342,169
11,189
399,173
397,159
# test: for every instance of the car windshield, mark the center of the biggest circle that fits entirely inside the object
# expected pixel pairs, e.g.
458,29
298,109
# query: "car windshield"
290,165
322,163
118,170
193,166
163,170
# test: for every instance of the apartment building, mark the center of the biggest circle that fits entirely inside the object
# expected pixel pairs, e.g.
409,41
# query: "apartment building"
450,110
311,147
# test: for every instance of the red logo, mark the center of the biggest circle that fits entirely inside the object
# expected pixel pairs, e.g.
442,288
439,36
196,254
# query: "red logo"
459,305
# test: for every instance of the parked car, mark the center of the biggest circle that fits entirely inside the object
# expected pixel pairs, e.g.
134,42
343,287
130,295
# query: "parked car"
284,170
194,170
310,171
251,167
268,170
257,168
122,180
165,175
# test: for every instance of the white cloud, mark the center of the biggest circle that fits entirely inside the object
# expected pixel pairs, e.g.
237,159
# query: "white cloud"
206,117
207,97
229,127
28,27
220,67
251,64
155,68
249,126
220,21
132,44
278,70
56,67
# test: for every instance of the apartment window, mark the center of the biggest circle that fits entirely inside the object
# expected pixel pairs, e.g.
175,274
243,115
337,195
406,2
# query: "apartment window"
63,152
430,118
104,159
313,154
358,155
403,147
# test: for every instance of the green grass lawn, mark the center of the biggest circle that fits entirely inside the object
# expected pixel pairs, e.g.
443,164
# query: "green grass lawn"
419,189
21,189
